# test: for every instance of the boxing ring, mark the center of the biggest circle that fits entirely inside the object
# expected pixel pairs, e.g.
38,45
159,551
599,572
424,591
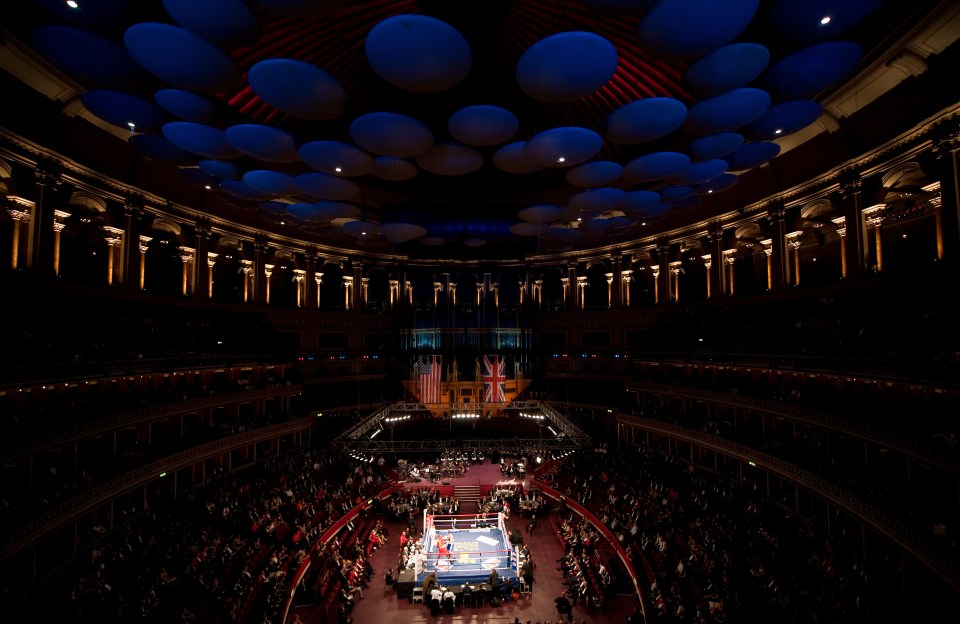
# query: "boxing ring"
465,548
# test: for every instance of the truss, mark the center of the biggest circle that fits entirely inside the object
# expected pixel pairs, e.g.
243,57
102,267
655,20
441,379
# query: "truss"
363,437
544,447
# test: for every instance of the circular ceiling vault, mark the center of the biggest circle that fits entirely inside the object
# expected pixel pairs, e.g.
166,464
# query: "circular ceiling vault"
433,123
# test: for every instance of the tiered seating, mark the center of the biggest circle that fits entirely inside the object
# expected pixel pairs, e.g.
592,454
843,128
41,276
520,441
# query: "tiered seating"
572,534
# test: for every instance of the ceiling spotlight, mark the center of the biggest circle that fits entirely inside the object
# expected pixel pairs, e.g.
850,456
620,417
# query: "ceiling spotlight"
778,131
207,187
579,218
283,223
709,191
824,20
337,169
132,125
72,4
561,159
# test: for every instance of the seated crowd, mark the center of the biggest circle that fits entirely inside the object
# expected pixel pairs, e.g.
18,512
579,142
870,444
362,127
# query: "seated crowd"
223,552
914,499
713,549
57,478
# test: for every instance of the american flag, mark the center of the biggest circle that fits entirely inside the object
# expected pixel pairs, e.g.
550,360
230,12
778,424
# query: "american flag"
494,379
428,372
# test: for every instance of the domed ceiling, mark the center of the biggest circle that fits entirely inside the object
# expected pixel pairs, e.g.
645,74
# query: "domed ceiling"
405,125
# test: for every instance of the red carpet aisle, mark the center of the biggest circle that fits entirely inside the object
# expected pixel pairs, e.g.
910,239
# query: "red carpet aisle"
380,605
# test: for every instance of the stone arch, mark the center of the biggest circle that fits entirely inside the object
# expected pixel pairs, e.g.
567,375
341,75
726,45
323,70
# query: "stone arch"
640,260
286,256
231,245
817,216
603,263
167,226
88,200
748,236
902,184
690,246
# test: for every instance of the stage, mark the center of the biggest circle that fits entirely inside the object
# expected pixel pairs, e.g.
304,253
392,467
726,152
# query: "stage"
484,475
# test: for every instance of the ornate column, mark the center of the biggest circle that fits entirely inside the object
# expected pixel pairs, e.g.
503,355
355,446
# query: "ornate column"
565,283
298,277
202,269
187,255
663,249
309,285
778,248
729,258
946,143
767,245
318,280
451,301
538,290
655,271
437,289
260,248
267,274
616,291
793,243
365,285
573,300
581,292
627,277
59,216
675,277
114,238
130,250
851,186
715,279
394,293
873,216
20,215
40,230
841,223
446,287
357,293
707,263
247,267
609,277
484,290
211,260
936,202
142,247
347,291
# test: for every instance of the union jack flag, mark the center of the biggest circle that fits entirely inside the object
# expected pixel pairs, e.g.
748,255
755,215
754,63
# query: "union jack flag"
428,375
494,379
